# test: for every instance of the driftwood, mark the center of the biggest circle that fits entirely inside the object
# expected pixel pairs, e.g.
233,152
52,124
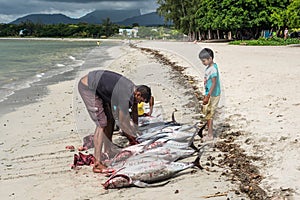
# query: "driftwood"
215,195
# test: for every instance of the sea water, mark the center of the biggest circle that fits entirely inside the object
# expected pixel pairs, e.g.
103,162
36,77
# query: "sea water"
26,65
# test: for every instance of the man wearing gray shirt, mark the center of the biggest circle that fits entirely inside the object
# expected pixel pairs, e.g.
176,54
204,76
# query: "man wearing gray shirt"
108,96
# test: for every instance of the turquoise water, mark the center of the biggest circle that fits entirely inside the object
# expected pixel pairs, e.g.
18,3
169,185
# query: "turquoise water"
26,62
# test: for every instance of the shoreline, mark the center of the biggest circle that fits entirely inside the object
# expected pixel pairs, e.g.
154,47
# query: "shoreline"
49,125
30,90
63,39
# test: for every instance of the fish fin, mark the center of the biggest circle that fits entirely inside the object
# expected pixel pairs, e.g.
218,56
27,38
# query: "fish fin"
142,184
173,116
115,173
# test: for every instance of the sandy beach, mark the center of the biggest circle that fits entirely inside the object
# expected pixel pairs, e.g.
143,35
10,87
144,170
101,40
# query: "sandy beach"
257,122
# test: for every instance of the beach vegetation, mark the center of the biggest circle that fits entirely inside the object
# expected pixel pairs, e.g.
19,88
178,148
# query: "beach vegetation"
82,30
230,19
274,41
159,33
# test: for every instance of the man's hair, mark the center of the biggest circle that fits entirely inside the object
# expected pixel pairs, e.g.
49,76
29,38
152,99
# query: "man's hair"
206,53
145,92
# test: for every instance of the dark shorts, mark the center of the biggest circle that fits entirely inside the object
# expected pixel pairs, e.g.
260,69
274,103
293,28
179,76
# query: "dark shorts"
99,111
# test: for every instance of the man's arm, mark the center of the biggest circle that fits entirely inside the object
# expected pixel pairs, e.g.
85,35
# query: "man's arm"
126,124
151,104
135,116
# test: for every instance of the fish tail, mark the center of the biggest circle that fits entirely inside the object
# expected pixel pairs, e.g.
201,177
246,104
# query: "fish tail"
197,160
192,145
191,142
200,132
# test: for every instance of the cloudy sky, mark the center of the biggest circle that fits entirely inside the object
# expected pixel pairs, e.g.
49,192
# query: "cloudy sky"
13,9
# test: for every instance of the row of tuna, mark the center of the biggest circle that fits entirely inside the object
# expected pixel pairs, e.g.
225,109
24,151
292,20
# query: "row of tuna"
157,157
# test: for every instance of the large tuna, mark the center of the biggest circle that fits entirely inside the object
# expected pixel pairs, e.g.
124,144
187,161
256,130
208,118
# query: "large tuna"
143,174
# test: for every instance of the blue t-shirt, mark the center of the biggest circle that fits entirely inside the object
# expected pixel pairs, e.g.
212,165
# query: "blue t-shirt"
211,72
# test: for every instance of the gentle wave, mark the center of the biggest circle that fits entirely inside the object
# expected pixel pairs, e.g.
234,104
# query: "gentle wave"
9,89
28,64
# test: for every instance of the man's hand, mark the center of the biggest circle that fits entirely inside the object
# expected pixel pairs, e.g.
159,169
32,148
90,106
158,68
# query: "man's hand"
206,99
132,139
148,114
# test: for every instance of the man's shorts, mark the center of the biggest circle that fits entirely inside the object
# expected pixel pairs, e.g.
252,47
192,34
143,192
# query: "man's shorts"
209,109
99,111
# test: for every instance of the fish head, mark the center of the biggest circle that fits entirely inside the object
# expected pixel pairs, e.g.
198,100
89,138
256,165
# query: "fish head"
117,181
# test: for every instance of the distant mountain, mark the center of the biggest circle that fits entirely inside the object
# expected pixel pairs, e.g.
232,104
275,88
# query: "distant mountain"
46,19
97,16
122,17
149,19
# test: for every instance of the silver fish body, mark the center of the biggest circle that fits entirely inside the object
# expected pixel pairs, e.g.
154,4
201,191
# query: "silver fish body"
160,153
146,173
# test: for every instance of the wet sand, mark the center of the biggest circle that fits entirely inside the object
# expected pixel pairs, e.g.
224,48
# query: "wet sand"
259,114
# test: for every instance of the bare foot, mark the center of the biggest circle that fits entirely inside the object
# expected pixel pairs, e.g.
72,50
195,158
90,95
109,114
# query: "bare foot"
207,138
99,168
70,147
82,148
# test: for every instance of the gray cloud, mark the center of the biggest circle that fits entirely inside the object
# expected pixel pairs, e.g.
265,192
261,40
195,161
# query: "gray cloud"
13,9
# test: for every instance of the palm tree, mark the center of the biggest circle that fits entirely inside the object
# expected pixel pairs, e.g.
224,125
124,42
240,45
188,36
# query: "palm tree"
107,25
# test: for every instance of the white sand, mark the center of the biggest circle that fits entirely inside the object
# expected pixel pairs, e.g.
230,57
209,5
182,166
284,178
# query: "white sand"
261,99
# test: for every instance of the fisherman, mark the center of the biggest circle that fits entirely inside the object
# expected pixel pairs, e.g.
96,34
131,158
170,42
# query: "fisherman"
108,96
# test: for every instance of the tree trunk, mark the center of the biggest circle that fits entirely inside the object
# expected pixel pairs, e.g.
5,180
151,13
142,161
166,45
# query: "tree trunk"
194,36
189,36
229,35
209,34
218,34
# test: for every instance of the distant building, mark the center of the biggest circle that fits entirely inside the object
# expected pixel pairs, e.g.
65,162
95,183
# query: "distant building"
22,32
132,33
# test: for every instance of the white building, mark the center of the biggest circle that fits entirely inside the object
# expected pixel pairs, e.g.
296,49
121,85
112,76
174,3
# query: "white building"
129,32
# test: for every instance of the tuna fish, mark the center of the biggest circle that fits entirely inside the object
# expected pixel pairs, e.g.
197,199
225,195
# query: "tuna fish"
163,154
166,141
172,132
151,127
143,174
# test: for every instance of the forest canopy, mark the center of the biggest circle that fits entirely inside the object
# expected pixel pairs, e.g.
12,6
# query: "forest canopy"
219,18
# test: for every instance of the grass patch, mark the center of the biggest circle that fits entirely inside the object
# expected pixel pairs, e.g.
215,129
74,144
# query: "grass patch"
276,41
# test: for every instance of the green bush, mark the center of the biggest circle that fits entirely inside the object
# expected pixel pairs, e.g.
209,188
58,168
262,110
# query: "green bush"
275,41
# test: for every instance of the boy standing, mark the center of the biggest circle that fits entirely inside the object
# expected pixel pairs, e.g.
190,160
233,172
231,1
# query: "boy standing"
212,89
